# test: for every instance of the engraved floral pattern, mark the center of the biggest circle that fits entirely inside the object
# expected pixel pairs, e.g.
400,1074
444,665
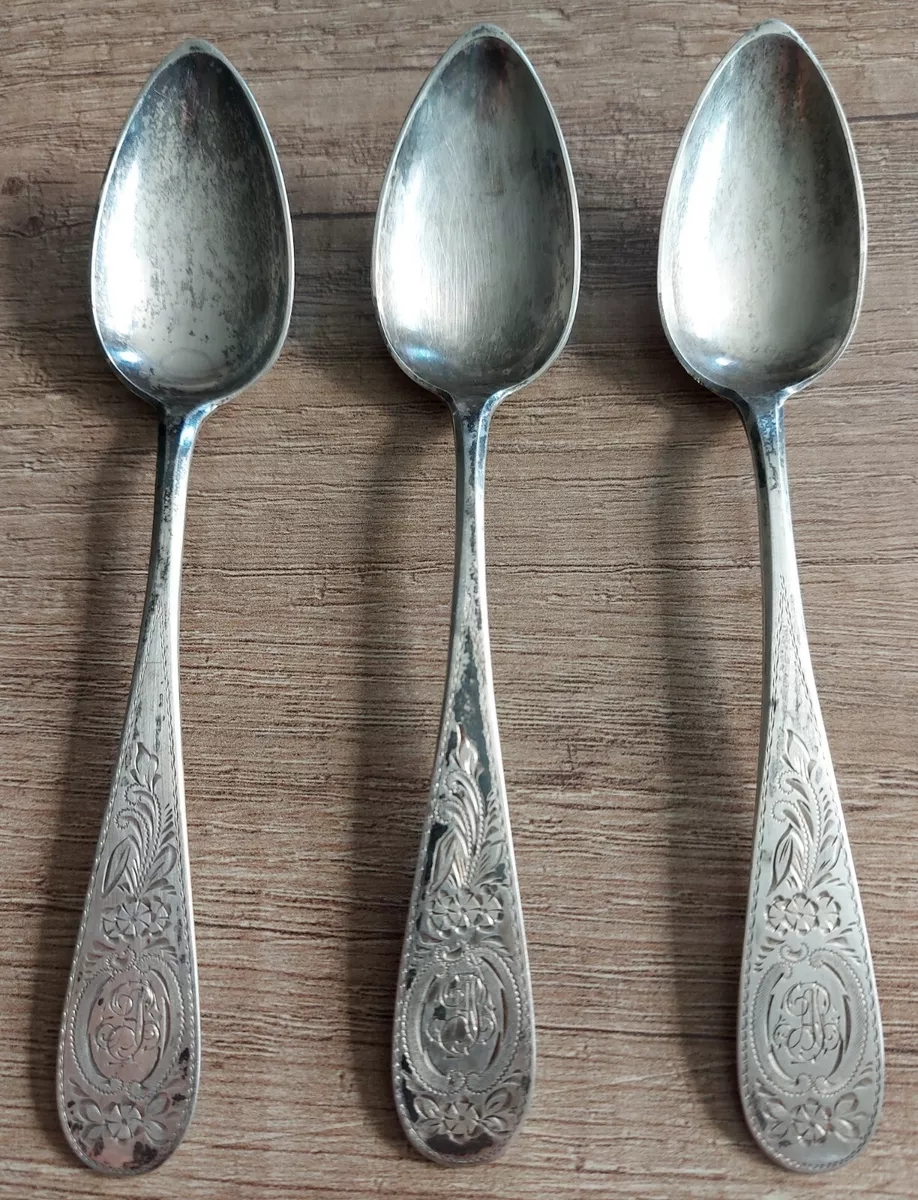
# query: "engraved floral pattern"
813,1121
466,1002
464,912
136,918
811,1059
798,913
463,1119
127,1120
127,1025
801,913
136,879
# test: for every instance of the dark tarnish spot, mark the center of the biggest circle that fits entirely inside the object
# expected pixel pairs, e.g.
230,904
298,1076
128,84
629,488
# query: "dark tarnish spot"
34,225
177,1098
436,832
98,1147
491,63
409,978
446,1146
549,169
494,56
185,1055
409,1103
406,1066
143,1154
12,186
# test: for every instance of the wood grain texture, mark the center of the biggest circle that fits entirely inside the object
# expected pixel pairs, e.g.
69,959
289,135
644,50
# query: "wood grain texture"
625,612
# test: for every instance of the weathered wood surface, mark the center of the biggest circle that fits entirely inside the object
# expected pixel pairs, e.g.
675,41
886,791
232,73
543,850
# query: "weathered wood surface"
625,616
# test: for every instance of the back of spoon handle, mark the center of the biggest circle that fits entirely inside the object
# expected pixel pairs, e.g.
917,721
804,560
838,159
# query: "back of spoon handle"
464,1043
810,1040
129,1052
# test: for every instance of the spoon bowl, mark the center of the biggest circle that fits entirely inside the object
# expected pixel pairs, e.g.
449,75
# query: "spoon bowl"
192,284
476,248
763,238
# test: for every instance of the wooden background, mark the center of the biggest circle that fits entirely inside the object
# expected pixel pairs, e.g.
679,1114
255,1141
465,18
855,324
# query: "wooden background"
624,604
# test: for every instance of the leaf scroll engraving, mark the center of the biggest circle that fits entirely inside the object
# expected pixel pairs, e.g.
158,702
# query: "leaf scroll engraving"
811,1051
128,1053
462,1043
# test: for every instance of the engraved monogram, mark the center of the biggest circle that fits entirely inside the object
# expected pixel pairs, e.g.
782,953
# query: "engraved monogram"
812,1067
127,1049
463,1029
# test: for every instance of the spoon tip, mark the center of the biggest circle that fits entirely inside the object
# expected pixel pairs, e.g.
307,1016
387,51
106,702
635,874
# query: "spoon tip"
774,26
485,29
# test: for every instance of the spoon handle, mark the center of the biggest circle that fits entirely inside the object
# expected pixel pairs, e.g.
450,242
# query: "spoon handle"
810,1040
464,1045
129,1054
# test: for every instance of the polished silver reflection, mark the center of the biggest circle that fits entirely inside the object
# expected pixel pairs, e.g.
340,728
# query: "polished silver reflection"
761,271
476,266
192,287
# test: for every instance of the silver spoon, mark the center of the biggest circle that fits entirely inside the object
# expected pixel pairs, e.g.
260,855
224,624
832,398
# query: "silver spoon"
192,287
761,271
476,267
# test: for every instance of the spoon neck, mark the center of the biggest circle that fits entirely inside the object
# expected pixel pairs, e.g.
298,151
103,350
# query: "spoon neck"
177,437
781,596
470,610
765,430
471,430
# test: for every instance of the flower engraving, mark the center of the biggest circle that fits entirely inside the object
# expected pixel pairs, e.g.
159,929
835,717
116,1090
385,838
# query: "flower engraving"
828,918
811,1058
133,917
446,913
458,1119
462,912
464,1118
128,1058
811,1122
798,913
801,914
124,1121
464,1021
127,1028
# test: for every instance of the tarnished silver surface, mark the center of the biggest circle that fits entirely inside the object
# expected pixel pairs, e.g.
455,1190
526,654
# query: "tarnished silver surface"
192,287
761,270
476,268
